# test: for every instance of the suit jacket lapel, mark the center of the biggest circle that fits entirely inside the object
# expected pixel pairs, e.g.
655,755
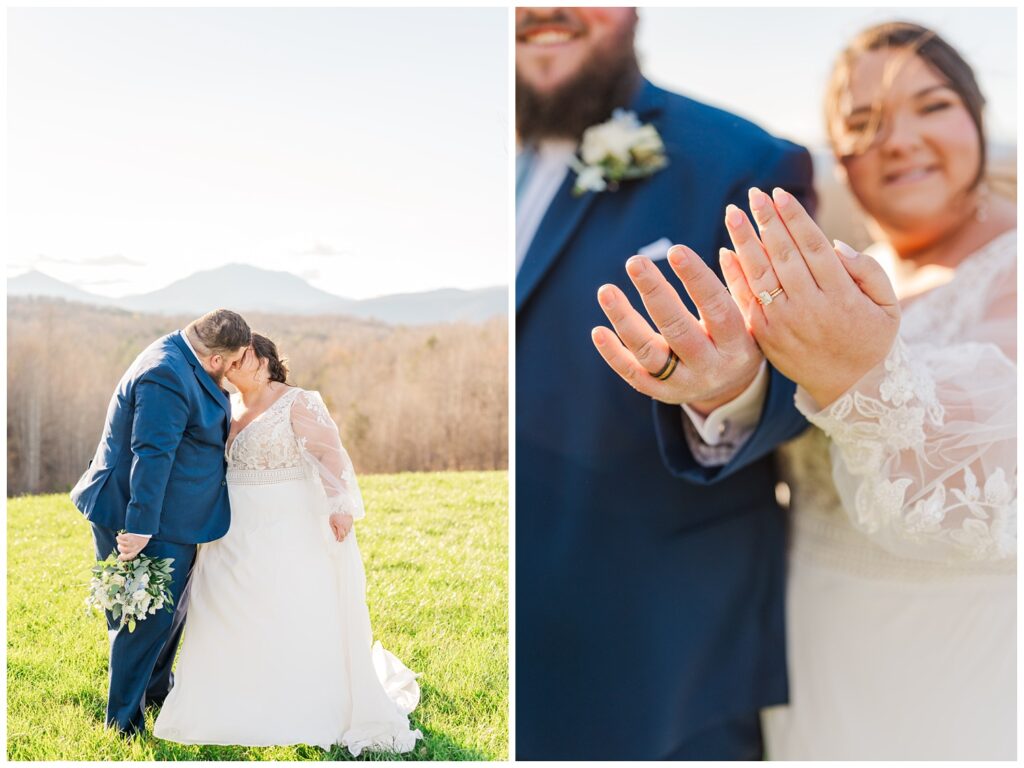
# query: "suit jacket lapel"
566,211
204,379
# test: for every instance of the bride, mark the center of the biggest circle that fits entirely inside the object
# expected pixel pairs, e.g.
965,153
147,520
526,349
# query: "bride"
901,597
277,650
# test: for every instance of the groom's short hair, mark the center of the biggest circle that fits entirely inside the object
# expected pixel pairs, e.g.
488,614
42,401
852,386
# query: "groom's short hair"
220,331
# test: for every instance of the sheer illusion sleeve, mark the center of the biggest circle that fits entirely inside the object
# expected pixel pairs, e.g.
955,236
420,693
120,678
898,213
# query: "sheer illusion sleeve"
924,447
321,448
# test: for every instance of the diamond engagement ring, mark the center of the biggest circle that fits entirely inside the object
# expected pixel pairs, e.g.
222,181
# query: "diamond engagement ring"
765,298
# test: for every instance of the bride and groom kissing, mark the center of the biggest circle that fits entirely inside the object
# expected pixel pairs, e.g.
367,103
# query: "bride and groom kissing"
254,498
677,605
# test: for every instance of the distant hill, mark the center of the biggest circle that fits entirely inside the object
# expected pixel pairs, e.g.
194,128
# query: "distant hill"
444,305
246,288
240,287
38,284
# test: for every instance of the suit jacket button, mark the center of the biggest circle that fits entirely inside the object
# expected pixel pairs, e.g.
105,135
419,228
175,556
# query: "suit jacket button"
223,482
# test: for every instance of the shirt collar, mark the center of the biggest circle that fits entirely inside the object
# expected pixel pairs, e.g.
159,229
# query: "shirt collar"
184,337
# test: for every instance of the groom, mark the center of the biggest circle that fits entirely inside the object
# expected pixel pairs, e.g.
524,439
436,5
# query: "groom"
158,476
649,603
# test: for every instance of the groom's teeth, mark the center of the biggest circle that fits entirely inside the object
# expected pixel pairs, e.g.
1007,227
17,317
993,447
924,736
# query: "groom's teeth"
548,37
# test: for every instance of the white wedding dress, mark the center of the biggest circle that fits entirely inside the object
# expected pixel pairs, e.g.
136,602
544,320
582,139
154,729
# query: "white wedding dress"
901,597
277,647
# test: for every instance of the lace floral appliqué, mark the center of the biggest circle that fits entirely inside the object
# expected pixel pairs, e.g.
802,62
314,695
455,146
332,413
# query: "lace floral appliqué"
885,447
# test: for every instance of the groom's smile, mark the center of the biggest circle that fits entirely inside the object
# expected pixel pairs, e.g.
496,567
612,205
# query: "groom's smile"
554,44
558,29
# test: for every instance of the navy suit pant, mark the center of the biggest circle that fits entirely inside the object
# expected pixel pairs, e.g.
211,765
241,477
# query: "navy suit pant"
736,739
140,661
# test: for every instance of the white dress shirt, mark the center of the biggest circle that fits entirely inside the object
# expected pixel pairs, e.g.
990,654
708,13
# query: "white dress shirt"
714,439
540,171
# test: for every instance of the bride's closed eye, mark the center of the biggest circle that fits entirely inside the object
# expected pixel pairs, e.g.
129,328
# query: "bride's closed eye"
936,106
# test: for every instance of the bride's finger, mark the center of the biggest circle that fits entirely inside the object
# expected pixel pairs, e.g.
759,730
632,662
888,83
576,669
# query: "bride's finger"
869,277
622,361
649,348
737,283
785,256
829,273
752,258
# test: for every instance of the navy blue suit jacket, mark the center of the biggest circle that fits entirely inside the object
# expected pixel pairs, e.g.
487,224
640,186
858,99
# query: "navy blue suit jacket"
159,468
649,600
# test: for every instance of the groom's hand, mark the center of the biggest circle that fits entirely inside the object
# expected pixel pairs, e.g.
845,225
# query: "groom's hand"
718,358
129,545
341,525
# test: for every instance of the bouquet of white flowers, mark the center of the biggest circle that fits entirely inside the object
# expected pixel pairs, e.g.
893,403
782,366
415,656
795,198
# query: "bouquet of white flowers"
131,589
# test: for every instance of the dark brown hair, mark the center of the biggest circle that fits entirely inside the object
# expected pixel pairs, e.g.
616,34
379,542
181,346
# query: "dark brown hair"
265,349
220,331
915,40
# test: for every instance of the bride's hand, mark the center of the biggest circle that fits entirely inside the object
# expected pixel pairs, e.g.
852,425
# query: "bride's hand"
341,525
717,358
835,318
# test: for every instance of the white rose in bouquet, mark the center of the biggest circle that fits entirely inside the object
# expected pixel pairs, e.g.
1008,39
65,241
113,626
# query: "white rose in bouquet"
131,590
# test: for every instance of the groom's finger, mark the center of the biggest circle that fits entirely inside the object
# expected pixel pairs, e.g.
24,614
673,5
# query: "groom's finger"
622,361
677,325
649,348
722,318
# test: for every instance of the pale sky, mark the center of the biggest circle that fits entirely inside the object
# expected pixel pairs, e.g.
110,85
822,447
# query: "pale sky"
364,149
770,64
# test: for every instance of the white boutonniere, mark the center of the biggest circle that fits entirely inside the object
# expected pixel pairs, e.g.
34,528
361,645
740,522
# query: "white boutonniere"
619,149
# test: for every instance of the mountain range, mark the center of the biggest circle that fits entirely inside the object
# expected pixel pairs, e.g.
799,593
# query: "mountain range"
247,288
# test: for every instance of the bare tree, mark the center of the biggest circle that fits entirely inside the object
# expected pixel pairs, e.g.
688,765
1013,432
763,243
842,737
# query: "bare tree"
405,398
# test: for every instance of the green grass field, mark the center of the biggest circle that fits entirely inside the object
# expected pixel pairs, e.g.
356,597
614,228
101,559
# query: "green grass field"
436,554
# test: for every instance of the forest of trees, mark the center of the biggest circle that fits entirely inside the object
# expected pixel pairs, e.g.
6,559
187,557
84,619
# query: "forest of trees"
405,398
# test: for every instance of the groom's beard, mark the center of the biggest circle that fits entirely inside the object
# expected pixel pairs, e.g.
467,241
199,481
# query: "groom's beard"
218,374
607,81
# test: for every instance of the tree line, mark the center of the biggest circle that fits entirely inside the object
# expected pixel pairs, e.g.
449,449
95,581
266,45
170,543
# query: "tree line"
406,398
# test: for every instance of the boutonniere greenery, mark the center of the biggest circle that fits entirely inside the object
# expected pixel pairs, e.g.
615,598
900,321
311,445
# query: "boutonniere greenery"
618,149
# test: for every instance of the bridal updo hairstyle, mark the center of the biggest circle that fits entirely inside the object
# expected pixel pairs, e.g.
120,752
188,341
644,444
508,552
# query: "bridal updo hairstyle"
915,40
265,349
220,332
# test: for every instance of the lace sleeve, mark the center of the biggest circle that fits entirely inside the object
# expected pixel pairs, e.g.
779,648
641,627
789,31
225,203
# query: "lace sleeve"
321,448
924,447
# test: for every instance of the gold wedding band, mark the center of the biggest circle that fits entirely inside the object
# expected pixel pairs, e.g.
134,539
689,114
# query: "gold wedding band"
668,368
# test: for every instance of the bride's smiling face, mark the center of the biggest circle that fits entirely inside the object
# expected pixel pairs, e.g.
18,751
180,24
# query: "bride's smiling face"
913,158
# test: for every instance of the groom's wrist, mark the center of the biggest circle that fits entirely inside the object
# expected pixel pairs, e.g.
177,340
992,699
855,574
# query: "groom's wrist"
734,420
